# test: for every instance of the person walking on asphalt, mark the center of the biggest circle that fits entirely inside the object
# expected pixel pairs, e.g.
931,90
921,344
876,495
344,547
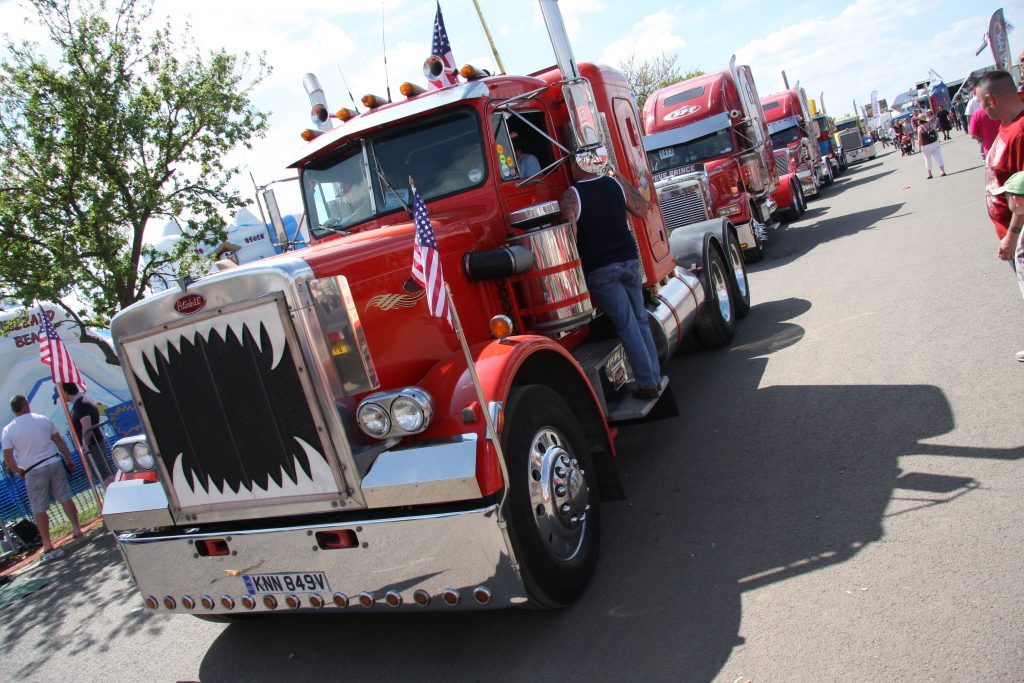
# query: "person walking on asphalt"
928,141
33,438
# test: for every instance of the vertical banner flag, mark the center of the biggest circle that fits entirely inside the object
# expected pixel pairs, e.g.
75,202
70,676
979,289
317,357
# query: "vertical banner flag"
426,261
876,115
52,352
998,40
442,49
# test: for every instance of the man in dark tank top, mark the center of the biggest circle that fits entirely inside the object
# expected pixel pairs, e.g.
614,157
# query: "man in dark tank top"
597,204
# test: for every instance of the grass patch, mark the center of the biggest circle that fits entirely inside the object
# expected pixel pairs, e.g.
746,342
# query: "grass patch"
87,511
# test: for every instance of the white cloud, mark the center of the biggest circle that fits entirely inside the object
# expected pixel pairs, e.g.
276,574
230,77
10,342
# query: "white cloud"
649,37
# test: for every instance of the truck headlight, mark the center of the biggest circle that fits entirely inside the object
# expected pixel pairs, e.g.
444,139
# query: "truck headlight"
123,458
399,413
374,420
143,456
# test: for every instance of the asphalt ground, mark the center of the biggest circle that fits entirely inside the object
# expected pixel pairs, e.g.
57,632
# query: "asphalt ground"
839,498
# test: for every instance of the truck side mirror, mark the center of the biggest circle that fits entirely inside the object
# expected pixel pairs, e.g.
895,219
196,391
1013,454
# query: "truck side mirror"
583,119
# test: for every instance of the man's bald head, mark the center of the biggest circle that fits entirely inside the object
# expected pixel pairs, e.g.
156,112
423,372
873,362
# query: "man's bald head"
997,94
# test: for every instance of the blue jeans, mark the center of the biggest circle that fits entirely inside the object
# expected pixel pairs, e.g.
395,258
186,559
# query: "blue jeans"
617,290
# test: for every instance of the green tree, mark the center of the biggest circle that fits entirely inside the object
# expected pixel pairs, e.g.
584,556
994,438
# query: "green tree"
121,128
647,76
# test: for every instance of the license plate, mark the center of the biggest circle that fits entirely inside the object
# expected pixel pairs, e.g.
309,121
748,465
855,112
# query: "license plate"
286,582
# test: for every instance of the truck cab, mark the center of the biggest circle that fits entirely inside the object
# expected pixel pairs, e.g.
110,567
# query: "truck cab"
853,138
792,129
322,439
708,146
827,146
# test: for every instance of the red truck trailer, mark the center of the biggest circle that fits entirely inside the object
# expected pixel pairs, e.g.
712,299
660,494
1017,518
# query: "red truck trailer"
708,145
322,441
795,133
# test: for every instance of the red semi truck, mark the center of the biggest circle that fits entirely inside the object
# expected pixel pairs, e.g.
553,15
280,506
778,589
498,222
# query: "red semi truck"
322,441
794,133
708,145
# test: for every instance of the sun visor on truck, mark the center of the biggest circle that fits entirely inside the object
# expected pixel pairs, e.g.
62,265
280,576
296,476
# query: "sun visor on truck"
782,124
692,131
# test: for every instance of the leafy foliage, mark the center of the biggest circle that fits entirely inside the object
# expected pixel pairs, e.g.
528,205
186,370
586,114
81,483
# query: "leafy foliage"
650,75
120,129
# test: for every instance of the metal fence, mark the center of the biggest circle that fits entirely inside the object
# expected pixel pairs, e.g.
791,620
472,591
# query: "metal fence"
14,497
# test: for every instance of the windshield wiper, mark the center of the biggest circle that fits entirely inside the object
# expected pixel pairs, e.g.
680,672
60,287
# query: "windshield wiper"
384,179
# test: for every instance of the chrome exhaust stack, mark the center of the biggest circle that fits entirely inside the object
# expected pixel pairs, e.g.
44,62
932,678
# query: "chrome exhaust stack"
559,39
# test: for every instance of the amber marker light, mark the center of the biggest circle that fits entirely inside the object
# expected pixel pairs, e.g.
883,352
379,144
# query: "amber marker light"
344,114
270,602
501,326
471,73
151,602
411,89
371,101
309,134
248,602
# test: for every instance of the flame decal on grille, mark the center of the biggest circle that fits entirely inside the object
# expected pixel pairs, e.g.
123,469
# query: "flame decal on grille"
147,349
319,480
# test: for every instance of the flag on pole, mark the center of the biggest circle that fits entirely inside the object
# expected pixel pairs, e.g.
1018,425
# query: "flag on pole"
52,352
998,41
426,261
443,49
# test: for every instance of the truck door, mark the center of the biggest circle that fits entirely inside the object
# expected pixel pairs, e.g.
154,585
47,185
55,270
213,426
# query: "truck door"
628,127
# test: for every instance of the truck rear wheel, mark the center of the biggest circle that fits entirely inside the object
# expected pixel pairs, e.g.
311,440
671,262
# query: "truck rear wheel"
716,322
554,510
829,177
795,209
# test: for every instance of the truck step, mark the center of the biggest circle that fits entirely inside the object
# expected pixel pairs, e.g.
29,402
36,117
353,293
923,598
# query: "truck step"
632,408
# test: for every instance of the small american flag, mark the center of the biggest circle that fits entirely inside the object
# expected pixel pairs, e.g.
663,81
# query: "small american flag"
426,261
53,352
443,49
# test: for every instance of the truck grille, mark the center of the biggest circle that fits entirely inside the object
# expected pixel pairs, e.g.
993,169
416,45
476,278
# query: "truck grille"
850,140
682,204
227,409
781,162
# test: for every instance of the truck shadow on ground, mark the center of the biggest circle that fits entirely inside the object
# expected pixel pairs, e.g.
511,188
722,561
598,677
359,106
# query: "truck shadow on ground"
91,579
747,486
847,183
792,241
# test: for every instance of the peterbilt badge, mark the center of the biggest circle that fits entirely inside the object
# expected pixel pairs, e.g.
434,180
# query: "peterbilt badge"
190,303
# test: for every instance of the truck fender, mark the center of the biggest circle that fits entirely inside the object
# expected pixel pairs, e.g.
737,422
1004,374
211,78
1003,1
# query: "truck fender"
692,244
502,366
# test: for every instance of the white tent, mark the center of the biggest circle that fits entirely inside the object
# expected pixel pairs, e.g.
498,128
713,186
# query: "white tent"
21,371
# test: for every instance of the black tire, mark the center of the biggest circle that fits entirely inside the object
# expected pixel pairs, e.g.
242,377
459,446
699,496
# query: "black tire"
541,438
751,254
829,178
803,198
716,322
794,210
738,280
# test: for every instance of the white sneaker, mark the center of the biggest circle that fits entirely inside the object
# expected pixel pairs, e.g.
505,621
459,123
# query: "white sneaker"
54,554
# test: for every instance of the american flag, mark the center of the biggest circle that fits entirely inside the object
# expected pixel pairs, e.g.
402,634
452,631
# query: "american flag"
443,49
53,352
426,261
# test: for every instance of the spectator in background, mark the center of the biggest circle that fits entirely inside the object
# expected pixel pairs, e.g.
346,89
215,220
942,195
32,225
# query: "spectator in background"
983,129
84,416
944,125
928,140
973,104
29,442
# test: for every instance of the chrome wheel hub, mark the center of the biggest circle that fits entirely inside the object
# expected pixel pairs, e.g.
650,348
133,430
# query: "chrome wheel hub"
559,494
721,289
736,261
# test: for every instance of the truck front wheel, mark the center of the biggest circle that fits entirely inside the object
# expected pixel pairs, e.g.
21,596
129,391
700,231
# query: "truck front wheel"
553,509
716,322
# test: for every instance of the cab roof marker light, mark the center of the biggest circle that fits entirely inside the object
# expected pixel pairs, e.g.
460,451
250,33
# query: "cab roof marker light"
471,73
371,101
344,114
411,89
309,134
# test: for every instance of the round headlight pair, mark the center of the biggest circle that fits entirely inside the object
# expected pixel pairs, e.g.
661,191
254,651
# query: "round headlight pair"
132,456
407,412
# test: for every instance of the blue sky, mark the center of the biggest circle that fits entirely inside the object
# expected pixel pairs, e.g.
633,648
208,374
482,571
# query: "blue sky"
844,49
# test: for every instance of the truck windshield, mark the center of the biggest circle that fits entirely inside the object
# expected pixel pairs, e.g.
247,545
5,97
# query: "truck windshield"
846,125
781,138
709,146
364,179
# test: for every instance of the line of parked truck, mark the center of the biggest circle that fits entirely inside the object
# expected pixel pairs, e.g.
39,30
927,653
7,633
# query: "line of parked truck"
718,150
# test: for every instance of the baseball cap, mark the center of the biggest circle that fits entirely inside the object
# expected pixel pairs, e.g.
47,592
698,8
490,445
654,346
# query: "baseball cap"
1014,185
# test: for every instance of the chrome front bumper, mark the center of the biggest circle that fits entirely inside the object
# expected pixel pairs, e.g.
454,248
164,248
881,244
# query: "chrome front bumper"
806,179
455,560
